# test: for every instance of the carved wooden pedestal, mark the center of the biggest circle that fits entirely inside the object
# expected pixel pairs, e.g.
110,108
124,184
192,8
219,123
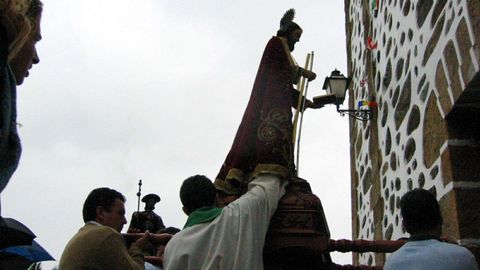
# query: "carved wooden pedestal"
298,234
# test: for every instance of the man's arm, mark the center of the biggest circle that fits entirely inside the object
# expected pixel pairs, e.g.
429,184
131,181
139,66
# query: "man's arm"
117,256
263,194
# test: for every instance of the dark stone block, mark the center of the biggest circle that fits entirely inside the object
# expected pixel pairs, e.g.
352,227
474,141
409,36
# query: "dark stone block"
406,8
421,180
398,184
468,201
432,43
433,190
404,103
384,114
389,45
434,172
391,203
358,144
367,180
399,69
449,24
441,84
388,142
395,96
434,132
393,161
388,75
409,184
410,148
407,63
464,43
439,5
389,232
413,120
423,8
464,163
421,83
452,62
424,93
377,83
474,15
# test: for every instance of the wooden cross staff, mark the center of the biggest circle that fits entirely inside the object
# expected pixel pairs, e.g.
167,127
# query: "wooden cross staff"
302,87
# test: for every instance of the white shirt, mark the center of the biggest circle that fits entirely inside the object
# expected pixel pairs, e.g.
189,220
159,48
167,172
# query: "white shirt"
235,239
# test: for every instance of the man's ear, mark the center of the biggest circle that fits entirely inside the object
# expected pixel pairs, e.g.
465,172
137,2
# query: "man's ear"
185,211
218,200
404,227
99,214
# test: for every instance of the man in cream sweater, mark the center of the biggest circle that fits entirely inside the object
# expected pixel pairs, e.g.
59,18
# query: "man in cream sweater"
99,244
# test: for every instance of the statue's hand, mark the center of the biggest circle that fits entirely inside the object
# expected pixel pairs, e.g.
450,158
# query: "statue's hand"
310,75
308,104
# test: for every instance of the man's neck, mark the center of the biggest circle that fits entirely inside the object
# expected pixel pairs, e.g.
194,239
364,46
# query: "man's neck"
427,234
93,222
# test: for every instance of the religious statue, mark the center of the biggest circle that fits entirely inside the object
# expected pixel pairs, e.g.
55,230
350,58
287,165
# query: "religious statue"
263,142
147,220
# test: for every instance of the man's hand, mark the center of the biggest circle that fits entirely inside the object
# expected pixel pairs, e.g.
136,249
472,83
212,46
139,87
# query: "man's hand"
144,242
160,238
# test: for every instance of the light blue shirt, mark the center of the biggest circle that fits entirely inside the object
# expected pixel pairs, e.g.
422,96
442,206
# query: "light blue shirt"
149,266
431,254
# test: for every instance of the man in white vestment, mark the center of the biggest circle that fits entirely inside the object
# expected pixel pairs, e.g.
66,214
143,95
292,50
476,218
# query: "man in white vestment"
223,238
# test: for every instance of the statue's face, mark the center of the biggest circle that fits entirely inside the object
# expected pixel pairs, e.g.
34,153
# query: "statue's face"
293,38
150,204
27,56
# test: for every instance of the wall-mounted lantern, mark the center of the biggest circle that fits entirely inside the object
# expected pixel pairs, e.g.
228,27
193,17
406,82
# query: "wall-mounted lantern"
336,86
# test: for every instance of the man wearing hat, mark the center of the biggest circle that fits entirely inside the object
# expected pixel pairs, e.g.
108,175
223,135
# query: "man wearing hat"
147,220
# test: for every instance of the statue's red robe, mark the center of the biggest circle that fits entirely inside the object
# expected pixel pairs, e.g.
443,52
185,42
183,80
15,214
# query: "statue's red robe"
263,143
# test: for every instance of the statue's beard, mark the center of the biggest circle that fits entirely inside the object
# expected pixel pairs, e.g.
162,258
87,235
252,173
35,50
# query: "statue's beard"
291,44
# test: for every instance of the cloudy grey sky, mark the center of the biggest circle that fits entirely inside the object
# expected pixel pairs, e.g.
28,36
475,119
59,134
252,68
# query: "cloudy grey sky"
155,90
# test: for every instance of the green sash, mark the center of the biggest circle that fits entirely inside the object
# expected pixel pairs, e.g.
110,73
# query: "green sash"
202,215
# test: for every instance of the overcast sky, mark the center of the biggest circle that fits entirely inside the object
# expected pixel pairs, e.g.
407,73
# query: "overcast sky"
155,90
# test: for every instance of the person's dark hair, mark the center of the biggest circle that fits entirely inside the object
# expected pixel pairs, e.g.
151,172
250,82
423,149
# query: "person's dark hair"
420,211
197,191
35,8
104,197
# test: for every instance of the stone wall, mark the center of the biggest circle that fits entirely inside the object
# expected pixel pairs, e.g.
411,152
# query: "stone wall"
421,74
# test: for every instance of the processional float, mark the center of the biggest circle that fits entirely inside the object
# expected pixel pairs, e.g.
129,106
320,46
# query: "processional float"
298,236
